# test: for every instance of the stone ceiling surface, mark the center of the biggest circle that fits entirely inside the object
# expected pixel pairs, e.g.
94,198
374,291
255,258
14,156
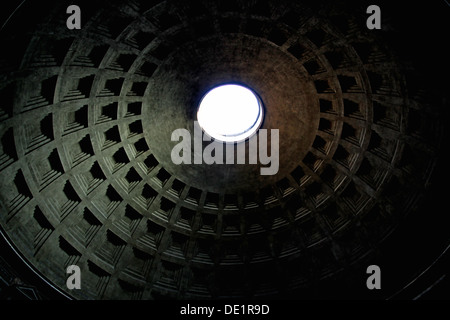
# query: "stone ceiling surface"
86,118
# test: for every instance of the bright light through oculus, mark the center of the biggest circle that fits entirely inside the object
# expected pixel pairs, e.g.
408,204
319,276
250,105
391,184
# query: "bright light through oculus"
230,113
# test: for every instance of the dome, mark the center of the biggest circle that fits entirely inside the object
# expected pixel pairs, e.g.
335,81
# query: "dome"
87,178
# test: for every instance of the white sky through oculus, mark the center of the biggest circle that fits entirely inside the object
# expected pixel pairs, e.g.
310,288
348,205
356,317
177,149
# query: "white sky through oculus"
230,113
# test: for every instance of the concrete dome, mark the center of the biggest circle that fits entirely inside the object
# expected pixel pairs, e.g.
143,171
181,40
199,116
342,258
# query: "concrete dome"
86,176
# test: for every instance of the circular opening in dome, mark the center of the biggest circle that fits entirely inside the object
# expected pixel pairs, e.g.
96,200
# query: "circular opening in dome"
230,113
